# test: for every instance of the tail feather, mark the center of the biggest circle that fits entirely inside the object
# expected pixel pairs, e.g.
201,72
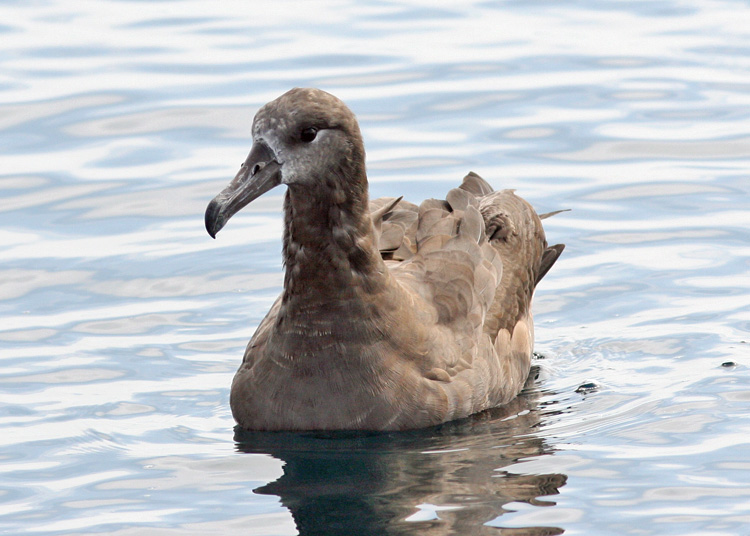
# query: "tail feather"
553,213
549,257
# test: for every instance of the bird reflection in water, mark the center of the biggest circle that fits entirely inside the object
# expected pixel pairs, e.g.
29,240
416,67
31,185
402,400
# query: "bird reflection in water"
443,480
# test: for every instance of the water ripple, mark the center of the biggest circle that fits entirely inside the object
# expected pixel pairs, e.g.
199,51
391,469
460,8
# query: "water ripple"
121,322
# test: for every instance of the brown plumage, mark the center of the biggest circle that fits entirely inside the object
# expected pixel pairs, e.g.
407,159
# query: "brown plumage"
393,316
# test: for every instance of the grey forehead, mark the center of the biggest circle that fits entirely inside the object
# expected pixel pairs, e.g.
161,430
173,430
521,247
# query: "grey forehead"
270,118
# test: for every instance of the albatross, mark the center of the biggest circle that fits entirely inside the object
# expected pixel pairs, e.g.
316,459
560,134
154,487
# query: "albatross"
393,316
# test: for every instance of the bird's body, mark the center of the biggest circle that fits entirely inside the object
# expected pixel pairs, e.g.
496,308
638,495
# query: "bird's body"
393,316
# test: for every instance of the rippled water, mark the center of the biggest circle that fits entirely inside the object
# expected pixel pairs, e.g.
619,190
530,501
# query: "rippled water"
122,322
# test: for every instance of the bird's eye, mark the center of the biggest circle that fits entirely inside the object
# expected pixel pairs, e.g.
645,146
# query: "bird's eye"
308,134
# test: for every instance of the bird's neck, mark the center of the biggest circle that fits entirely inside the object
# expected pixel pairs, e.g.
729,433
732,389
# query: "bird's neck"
330,250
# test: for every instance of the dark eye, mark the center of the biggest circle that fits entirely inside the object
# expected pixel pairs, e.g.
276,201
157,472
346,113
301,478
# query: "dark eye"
308,134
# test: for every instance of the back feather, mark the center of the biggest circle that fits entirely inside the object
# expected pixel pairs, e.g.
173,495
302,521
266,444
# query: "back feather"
476,256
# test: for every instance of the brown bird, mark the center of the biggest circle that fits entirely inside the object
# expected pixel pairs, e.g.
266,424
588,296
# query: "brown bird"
393,316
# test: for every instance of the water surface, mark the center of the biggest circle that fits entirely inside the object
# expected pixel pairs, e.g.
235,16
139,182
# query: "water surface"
122,322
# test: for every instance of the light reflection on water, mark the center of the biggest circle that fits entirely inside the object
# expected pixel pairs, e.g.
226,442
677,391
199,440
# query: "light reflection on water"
122,322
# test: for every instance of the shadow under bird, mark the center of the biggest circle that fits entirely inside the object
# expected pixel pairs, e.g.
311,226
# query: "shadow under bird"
393,316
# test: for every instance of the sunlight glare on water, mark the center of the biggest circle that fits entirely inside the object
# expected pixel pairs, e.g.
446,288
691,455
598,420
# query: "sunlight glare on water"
122,322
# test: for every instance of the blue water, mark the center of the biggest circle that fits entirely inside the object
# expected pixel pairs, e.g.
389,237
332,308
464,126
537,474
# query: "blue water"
122,322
